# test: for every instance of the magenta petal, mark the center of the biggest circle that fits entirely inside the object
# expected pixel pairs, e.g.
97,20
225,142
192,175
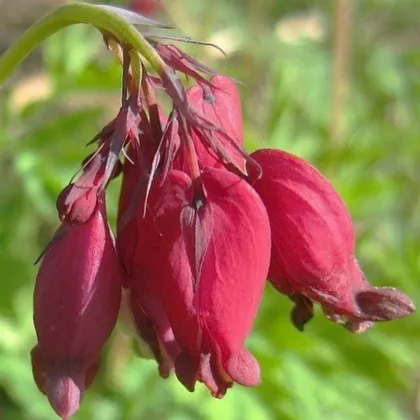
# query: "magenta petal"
197,228
77,292
213,375
237,259
64,394
312,231
244,369
152,324
227,106
384,304
161,256
186,368
219,103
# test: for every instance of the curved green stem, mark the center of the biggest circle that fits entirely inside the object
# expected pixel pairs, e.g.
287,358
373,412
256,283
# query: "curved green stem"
71,14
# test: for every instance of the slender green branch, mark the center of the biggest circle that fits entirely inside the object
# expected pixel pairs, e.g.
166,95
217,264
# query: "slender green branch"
102,18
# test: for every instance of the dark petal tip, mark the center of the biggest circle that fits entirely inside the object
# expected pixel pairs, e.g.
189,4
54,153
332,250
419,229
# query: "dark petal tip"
384,304
302,312
186,371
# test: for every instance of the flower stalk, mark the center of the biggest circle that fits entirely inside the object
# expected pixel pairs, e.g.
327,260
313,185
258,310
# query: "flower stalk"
104,18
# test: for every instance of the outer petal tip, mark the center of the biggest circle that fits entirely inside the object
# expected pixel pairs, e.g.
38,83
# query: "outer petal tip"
38,369
302,312
384,304
186,371
244,369
65,395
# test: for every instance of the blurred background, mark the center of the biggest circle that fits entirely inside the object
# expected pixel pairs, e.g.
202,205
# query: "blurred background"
336,82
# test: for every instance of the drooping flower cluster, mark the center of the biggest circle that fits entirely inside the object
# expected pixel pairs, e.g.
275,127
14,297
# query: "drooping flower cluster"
201,227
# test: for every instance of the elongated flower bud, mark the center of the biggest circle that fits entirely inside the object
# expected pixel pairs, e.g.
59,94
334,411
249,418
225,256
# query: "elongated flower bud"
77,298
207,257
313,246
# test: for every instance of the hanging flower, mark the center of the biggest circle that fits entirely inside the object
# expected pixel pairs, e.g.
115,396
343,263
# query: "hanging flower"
76,304
313,246
206,252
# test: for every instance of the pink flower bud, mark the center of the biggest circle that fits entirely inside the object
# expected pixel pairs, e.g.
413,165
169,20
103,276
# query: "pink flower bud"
76,303
313,246
206,255
77,202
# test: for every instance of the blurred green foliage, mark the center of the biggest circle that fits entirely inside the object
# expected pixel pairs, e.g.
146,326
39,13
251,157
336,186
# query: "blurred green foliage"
282,52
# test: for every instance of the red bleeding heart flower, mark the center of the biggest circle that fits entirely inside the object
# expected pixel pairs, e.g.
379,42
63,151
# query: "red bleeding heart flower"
313,246
76,304
206,253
